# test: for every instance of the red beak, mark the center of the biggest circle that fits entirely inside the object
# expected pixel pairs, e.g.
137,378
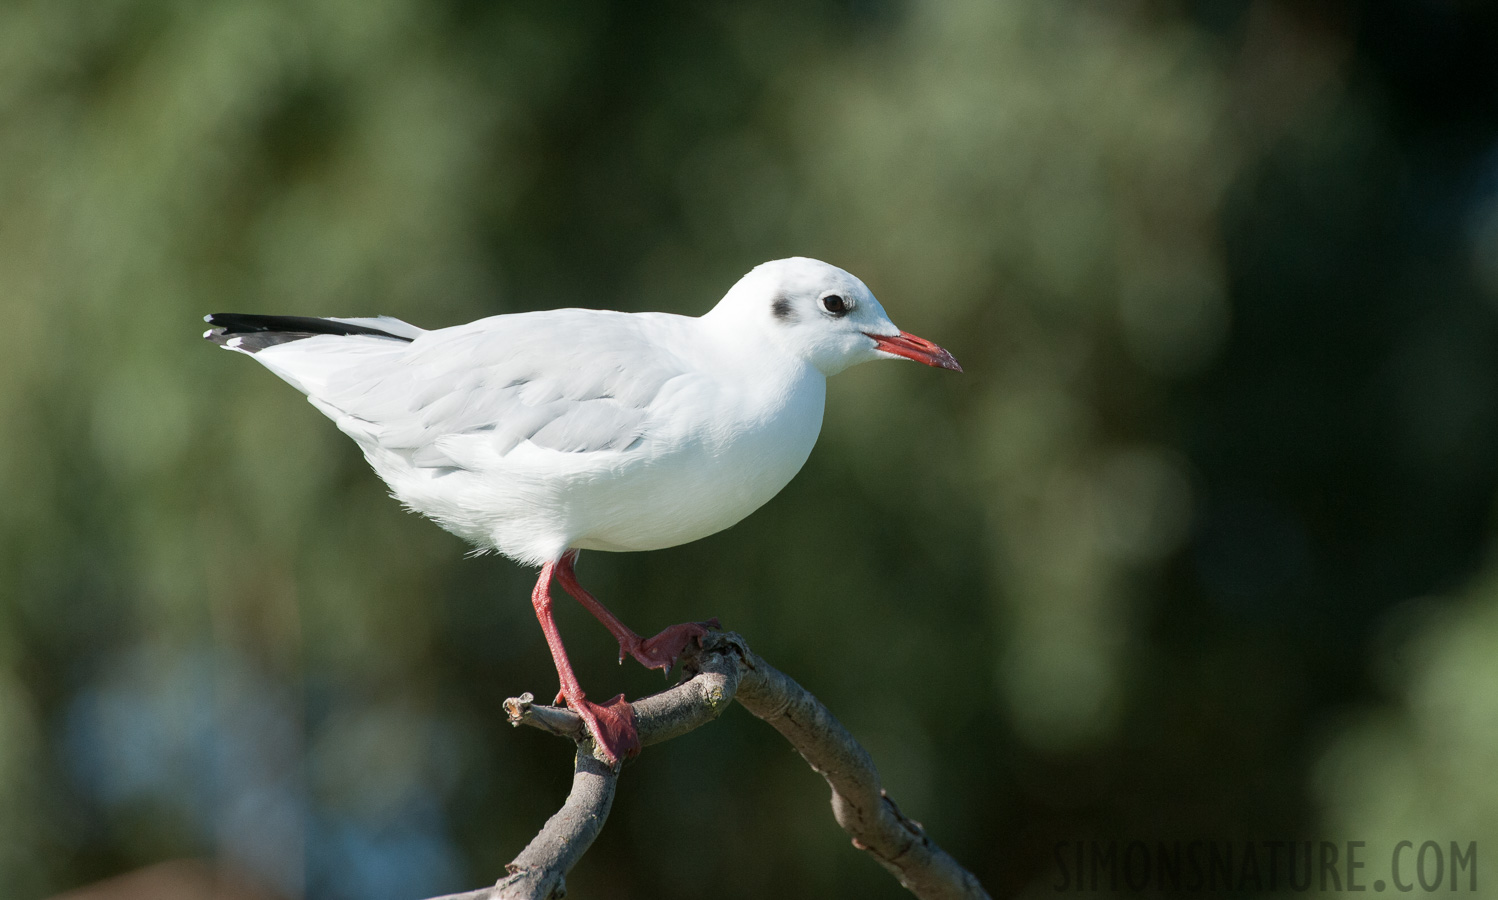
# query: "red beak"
917,348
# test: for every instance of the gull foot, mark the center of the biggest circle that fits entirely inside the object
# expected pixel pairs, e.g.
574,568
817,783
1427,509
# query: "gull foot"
612,725
661,651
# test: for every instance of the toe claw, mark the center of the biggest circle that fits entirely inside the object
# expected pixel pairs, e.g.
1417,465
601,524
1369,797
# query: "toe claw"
663,650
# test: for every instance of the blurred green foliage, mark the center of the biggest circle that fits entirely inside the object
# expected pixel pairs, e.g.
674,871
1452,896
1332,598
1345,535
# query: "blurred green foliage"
1220,273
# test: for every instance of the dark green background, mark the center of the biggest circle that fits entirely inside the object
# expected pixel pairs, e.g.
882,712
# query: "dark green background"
1197,548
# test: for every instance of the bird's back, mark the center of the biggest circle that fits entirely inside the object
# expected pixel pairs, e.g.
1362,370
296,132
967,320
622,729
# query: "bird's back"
534,432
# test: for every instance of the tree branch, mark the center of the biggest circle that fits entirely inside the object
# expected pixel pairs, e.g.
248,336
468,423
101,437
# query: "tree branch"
722,670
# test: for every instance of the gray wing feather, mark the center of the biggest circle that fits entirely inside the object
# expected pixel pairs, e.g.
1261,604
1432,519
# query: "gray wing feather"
590,426
575,381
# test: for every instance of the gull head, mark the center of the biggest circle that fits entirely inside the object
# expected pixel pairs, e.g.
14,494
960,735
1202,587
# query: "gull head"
823,315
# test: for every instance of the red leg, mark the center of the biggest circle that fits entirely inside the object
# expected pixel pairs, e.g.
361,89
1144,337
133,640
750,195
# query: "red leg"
612,724
659,652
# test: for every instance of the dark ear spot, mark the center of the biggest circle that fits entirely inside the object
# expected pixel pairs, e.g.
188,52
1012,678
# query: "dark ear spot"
782,310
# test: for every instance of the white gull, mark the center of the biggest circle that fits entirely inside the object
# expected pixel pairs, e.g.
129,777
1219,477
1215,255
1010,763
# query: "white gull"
541,434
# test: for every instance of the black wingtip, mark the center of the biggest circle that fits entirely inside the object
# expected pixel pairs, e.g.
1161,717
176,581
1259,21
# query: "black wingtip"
251,333
241,323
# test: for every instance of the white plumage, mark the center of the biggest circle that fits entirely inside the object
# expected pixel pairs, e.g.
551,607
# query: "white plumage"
540,433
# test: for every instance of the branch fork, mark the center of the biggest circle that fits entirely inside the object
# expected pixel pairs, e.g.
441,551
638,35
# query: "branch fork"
722,670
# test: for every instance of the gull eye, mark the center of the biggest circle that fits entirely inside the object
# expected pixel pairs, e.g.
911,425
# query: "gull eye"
836,305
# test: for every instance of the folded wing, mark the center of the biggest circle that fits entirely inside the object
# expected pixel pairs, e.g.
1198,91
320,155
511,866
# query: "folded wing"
570,381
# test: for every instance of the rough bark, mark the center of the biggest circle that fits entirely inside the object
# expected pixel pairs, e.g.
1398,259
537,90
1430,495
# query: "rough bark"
722,670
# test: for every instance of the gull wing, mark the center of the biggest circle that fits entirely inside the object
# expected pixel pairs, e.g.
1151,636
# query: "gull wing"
570,381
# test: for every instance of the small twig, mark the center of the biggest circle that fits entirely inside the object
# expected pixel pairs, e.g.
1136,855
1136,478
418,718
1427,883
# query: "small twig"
722,670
